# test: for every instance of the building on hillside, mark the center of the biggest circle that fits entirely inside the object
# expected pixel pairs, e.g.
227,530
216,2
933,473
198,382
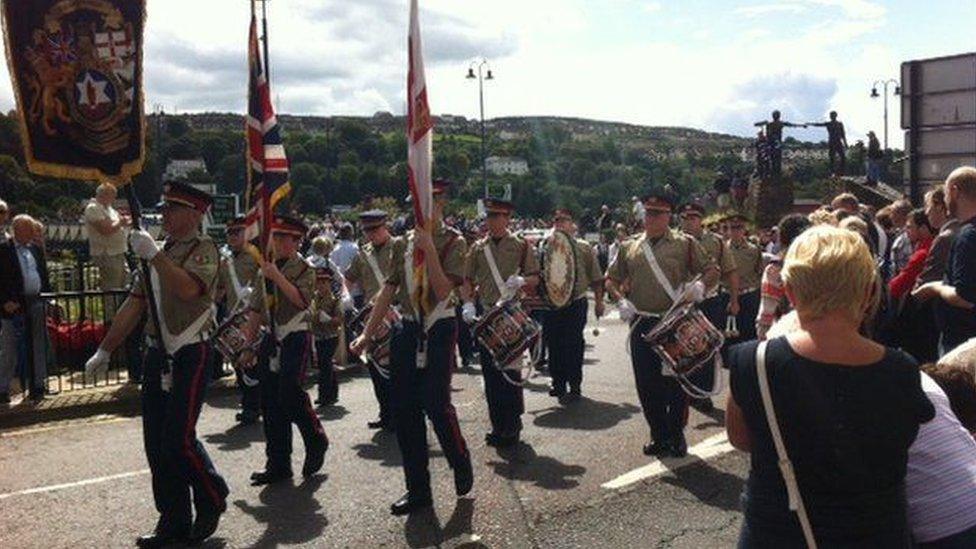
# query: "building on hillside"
180,169
506,165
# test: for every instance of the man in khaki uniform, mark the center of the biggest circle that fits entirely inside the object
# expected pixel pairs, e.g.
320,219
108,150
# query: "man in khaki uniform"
717,305
511,258
643,298
422,353
369,271
239,270
564,327
749,267
176,373
284,356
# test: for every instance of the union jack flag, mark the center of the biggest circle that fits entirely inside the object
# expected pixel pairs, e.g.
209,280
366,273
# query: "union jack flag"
267,165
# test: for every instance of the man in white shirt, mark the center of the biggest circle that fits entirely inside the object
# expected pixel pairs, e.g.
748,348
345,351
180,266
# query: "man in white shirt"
107,241
343,254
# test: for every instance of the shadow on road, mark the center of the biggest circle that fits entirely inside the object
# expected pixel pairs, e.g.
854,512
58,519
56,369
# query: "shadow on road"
333,412
522,463
238,437
424,529
382,447
584,415
708,485
291,514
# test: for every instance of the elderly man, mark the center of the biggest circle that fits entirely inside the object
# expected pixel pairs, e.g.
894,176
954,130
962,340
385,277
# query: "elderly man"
24,275
106,237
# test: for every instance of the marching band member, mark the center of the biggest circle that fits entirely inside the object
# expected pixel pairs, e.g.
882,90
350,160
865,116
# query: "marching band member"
716,306
497,267
369,271
647,279
284,355
326,311
749,266
564,327
175,375
240,268
422,354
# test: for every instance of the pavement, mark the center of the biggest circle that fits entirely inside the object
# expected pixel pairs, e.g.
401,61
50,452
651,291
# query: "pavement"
578,479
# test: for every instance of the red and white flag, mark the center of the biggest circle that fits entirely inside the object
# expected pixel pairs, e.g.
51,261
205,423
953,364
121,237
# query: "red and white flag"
420,141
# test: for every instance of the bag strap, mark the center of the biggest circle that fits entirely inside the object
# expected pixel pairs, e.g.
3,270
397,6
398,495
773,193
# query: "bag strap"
658,273
375,267
785,465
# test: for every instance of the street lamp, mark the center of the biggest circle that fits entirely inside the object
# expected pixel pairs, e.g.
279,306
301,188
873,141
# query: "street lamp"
484,73
875,95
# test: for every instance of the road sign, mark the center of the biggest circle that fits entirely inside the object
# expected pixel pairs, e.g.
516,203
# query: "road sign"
224,208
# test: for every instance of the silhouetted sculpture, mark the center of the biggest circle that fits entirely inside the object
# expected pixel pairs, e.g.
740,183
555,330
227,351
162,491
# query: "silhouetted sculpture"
774,141
836,143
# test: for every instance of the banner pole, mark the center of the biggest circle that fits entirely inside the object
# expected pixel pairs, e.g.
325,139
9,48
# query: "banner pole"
135,210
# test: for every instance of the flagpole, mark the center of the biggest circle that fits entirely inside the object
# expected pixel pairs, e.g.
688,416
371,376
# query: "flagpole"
264,30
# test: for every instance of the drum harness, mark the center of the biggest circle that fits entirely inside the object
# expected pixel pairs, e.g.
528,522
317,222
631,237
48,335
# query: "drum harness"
678,298
535,353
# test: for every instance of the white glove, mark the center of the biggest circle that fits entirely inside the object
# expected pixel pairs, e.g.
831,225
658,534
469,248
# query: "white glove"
324,317
515,283
143,244
694,292
347,304
98,363
626,310
468,312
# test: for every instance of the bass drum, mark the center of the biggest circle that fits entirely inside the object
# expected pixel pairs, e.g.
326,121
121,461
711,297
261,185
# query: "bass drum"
558,277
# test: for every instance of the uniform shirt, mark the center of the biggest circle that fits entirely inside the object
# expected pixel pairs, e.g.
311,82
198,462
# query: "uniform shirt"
248,274
451,249
588,271
717,252
198,256
103,244
680,257
325,301
512,256
299,272
749,263
361,273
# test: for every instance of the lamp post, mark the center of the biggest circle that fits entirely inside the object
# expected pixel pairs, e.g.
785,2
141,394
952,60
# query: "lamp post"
484,73
874,95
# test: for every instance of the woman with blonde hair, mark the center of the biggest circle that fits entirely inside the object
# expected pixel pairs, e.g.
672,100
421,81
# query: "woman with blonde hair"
847,409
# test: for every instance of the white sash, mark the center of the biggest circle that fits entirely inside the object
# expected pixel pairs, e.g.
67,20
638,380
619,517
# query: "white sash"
375,267
192,334
493,267
658,273
785,465
234,280
298,323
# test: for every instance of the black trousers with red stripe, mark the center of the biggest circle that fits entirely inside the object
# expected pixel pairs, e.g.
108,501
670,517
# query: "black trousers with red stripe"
284,400
425,391
178,462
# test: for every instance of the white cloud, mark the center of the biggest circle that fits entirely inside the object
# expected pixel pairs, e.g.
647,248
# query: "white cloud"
767,9
652,7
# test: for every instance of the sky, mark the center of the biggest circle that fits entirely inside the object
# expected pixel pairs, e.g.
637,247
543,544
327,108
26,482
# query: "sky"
718,65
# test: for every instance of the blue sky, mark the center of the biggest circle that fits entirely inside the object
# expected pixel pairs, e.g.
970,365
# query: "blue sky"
716,65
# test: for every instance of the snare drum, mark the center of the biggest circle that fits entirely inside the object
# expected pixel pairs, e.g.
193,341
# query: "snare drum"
506,332
233,342
685,340
379,351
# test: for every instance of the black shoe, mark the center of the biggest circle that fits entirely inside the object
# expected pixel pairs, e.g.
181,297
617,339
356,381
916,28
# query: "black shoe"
491,439
315,457
574,394
463,478
161,538
655,449
37,395
378,424
507,441
270,476
557,391
205,524
678,449
247,417
407,505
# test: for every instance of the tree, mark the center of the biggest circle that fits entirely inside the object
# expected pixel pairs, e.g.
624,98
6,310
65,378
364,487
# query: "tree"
176,127
309,200
230,174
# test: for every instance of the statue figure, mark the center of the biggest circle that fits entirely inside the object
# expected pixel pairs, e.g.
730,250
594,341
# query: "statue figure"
836,143
774,141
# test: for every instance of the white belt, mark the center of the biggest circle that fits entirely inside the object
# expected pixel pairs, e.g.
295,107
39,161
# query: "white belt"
298,323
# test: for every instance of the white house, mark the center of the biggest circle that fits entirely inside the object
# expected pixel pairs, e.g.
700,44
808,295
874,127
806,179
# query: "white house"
180,169
506,165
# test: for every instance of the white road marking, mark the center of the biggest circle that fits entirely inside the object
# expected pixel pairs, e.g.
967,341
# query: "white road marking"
711,447
101,419
86,482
